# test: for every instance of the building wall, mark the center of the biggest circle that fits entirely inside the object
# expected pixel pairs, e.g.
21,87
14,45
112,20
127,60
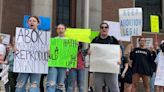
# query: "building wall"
1,8
12,14
106,10
110,8
110,12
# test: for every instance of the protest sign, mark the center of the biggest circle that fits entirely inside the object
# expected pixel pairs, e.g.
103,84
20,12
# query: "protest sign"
4,73
94,34
104,58
63,53
6,38
43,25
114,30
81,35
154,23
159,79
130,21
31,53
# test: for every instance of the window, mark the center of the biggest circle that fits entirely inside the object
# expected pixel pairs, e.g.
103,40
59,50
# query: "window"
150,7
63,12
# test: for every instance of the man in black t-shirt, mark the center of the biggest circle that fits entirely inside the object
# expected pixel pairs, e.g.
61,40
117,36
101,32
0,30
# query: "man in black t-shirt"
141,65
110,80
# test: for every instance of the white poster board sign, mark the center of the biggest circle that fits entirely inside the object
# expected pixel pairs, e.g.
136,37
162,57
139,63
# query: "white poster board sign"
130,21
149,42
4,73
114,30
104,58
159,80
6,38
31,54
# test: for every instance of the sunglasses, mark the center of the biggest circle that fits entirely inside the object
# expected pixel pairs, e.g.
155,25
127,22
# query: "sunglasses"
102,27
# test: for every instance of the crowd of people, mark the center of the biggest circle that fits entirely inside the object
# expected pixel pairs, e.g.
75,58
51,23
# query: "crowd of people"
136,64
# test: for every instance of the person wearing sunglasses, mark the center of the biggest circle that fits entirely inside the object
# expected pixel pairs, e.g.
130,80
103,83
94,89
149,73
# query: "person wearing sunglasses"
109,79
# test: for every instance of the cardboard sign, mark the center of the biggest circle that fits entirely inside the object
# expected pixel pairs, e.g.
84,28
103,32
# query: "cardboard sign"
31,54
6,38
81,35
159,79
114,30
154,23
94,34
104,58
63,53
130,21
44,24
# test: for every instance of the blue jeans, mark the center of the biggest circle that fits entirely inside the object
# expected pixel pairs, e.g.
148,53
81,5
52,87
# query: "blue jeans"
152,80
55,79
76,75
22,81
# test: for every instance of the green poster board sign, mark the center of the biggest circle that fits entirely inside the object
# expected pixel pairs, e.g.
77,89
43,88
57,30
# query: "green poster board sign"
63,53
94,34
81,35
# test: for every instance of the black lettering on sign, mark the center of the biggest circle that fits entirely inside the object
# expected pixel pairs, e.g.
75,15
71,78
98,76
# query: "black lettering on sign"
39,37
54,54
71,61
74,43
20,35
70,43
45,56
29,66
31,55
27,37
65,43
18,66
32,36
16,54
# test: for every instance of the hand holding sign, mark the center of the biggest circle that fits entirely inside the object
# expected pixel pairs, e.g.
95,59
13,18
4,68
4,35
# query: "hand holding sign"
31,53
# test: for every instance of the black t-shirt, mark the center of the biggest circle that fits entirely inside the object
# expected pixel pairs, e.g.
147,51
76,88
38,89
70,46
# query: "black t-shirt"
154,65
108,40
142,61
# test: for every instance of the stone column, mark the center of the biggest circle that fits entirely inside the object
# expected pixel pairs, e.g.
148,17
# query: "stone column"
79,13
42,8
95,17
